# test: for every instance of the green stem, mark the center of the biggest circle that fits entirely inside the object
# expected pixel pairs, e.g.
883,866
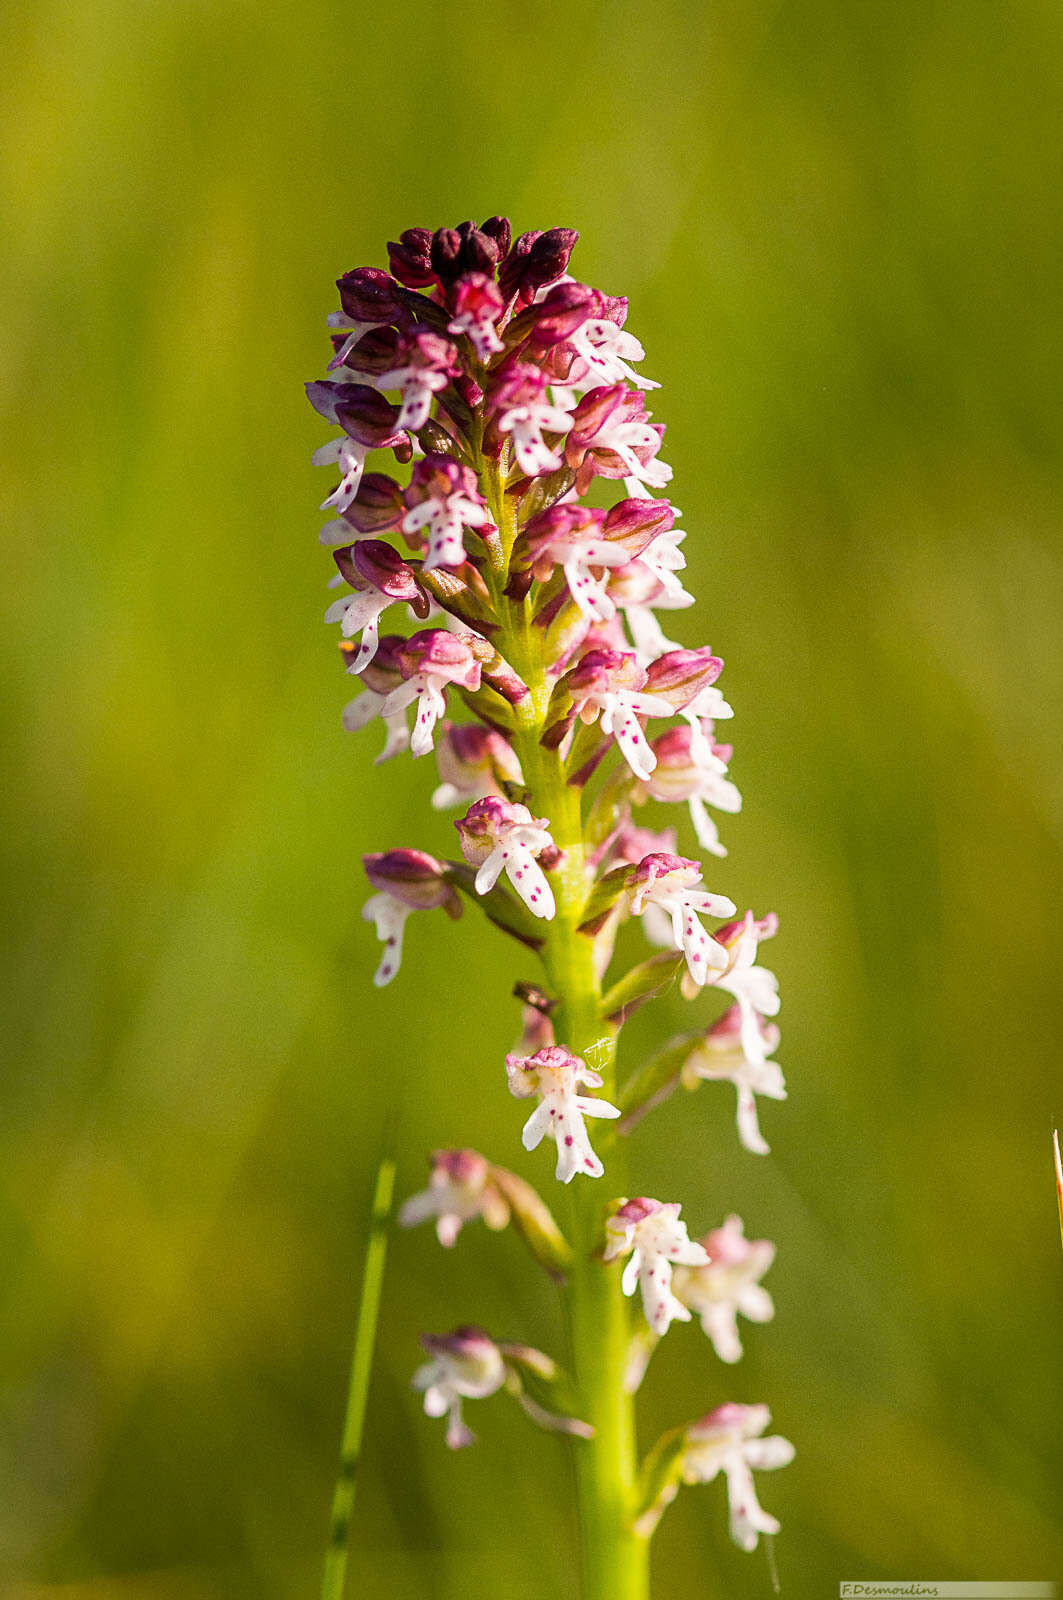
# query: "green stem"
358,1391
614,1560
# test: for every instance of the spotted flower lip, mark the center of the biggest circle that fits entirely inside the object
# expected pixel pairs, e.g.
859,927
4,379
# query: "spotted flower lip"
476,309
368,422
670,883
379,577
522,410
609,685
444,498
611,437
429,661
555,1074
426,364
728,1440
651,1233
499,836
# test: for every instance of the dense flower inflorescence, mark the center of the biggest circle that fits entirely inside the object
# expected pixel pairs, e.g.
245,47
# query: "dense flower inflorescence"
521,559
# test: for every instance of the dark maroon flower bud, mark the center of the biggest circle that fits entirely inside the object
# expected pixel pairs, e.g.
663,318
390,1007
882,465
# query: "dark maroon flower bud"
446,254
373,561
536,260
509,273
377,506
367,416
414,877
411,258
368,294
681,675
498,229
479,252
556,316
376,351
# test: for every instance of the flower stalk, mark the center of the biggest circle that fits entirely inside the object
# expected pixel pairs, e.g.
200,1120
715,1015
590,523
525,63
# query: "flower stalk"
516,389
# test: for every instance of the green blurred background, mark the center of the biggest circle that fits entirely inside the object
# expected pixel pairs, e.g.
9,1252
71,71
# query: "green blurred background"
839,226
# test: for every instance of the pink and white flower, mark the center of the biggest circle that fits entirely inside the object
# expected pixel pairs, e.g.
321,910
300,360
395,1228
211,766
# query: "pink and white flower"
500,836
657,1241
473,762
522,411
605,351
460,1188
429,661
406,880
477,307
609,685
464,1365
611,436
729,1284
721,1056
369,422
669,885
755,988
442,496
380,676
426,366
728,1441
380,578
555,1075
679,775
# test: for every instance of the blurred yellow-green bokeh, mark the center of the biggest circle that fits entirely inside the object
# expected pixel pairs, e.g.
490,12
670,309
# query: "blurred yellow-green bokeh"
839,227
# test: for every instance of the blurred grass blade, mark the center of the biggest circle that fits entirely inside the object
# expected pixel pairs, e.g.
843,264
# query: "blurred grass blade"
1059,1181
361,1367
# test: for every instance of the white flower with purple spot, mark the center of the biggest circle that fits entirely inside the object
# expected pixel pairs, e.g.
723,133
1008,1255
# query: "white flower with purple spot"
500,836
669,884
657,1241
477,308
728,1441
608,685
429,661
555,1075
443,499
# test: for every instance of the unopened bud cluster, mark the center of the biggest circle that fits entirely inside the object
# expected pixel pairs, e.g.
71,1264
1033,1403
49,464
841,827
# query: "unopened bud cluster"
524,561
